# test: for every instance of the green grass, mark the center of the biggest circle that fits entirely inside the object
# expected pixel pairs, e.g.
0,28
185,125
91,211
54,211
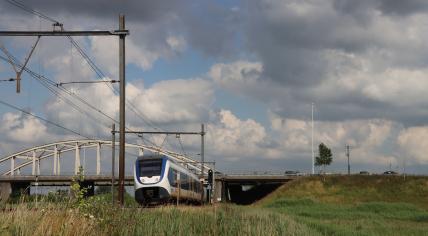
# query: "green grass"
345,205
373,218
356,189
104,220
355,205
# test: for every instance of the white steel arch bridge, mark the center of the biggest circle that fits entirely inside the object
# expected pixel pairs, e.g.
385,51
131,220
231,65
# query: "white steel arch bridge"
12,164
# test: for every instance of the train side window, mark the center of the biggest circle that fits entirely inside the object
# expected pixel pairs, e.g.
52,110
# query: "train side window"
185,182
172,177
193,185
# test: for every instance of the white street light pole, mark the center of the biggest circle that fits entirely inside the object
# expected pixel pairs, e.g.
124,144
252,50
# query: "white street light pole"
313,155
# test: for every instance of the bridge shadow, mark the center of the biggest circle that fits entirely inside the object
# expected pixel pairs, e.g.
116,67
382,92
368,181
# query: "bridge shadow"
247,189
245,194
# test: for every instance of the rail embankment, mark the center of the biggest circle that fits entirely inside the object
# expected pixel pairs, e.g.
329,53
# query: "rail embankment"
355,189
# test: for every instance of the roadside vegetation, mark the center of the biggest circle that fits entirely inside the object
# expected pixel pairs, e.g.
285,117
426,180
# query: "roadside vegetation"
96,217
336,205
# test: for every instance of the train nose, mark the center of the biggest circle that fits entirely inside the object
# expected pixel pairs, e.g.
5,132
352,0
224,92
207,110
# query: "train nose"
151,195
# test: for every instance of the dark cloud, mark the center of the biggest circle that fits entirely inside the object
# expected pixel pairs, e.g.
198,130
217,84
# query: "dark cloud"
291,45
390,7
143,11
207,26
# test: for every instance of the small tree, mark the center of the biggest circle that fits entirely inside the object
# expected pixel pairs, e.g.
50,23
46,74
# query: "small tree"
76,190
325,157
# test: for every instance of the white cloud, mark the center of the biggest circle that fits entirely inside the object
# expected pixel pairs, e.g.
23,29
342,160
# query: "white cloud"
237,74
236,138
139,53
164,103
367,138
414,142
177,44
174,101
20,128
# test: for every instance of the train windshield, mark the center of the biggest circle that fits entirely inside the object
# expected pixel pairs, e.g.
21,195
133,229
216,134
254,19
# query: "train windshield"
149,168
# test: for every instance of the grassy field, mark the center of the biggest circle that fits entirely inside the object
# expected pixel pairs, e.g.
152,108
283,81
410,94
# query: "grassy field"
357,205
218,220
356,189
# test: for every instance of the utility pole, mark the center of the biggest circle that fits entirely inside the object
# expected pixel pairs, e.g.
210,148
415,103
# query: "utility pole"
122,109
312,143
202,156
19,72
122,32
113,151
202,149
347,154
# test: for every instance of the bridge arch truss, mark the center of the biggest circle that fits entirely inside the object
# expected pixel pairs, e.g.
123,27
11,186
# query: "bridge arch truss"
54,152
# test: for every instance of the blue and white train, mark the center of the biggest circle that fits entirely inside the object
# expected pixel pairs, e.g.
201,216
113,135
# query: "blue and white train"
158,180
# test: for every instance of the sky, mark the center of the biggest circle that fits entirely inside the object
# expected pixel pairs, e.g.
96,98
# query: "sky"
249,70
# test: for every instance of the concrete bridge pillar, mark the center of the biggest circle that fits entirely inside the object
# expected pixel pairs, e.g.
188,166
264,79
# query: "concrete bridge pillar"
217,194
33,171
59,163
38,166
12,166
98,158
55,160
5,191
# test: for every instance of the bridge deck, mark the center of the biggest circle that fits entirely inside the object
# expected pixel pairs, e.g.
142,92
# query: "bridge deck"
257,178
58,178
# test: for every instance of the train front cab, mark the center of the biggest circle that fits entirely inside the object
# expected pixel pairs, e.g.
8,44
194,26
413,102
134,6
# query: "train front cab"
150,183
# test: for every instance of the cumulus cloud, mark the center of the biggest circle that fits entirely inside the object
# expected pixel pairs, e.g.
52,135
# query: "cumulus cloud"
413,142
356,60
236,75
105,51
361,62
369,139
20,131
174,101
18,127
236,138
162,104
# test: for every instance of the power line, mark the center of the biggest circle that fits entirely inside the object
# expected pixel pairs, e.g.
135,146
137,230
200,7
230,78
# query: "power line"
87,82
93,66
43,119
182,148
101,76
28,9
52,87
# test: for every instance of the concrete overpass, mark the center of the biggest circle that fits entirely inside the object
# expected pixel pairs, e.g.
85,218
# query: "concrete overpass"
15,185
246,189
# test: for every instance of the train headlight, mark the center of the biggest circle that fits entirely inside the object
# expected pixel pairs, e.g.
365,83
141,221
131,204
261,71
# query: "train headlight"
142,180
157,179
